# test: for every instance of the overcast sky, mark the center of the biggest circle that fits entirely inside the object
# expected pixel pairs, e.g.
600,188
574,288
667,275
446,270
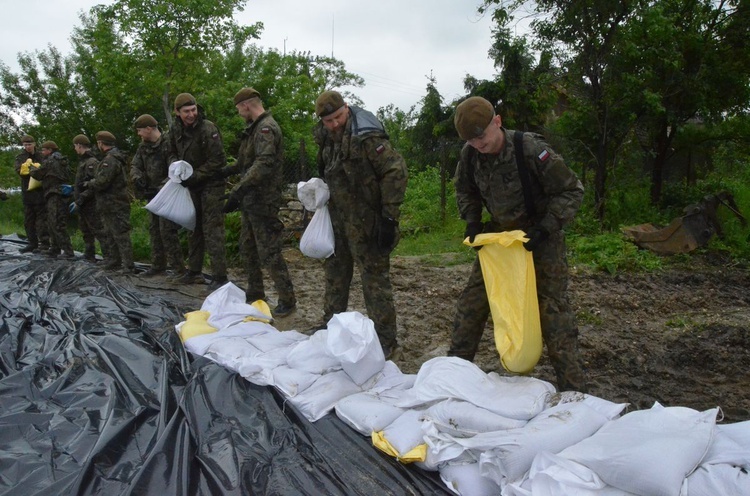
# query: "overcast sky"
395,45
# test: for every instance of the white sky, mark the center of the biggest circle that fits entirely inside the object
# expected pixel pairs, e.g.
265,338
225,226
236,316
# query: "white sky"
394,44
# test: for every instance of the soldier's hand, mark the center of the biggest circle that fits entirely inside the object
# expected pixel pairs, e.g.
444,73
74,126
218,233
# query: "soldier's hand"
472,229
189,182
140,184
232,204
66,189
537,235
387,234
73,208
228,171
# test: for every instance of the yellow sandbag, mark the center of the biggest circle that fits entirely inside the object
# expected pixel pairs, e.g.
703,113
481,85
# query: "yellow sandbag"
264,309
24,170
508,271
196,323
417,454
33,184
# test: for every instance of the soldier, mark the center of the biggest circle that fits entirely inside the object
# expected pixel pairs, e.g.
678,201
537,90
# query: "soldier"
34,210
258,196
197,141
110,187
149,171
53,173
367,181
85,201
488,174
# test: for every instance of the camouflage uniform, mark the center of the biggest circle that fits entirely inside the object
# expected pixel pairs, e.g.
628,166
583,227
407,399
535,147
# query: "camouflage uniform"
493,182
88,216
260,162
367,181
201,146
53,173
34,208
149,171
110,187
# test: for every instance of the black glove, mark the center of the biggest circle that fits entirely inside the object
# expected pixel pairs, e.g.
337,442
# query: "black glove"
140,184
472,229
387,234
232,204
536,235
189,182
228,171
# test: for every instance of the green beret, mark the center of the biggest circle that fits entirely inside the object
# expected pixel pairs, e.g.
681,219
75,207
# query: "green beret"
27,138
81,140
328,102
50,144
473,115
145,120
106,137
245,94
183,99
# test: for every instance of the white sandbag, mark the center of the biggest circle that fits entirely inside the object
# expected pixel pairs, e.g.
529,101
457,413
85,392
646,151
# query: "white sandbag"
607,408
173,201
462,419
389,381
318,240
519,398
465,479
318,399
367,412
715,480
648,452
739,432
725,450
291,381
273,340
227,306
313,194
352,339
199,344
405,433
312,355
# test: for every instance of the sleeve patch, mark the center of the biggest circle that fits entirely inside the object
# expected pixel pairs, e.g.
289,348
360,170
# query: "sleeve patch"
265,130
215,136
544,156
380,149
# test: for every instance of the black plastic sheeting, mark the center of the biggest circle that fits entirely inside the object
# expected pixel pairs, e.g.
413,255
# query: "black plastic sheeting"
98,396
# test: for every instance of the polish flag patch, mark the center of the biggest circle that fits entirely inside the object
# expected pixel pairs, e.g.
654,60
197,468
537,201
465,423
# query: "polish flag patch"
380,149
543,156
265,130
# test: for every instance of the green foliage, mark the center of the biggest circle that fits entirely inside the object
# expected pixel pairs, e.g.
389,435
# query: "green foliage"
611,253
421,210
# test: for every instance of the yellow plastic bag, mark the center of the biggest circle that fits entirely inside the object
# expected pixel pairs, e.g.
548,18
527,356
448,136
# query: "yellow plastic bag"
264,309
196,323
33,184
417,454
510,280
24,170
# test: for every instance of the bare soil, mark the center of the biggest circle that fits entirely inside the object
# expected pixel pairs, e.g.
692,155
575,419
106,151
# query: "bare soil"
680,336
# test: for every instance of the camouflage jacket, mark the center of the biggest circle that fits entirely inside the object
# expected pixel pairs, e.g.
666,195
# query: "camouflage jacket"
87,164
260,160
150,166
492,182
201,146
110,184
365,175
33,196
53,173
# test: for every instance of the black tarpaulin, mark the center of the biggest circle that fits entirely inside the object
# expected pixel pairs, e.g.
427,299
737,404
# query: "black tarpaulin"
98,396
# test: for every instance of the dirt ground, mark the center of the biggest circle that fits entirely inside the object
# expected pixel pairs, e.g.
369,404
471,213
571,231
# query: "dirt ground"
680,336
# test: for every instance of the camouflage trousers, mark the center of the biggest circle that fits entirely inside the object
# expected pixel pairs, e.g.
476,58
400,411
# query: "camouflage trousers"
35,223
208,235
559,329
91,228
165,244
260,247
374,267
115,219
57,223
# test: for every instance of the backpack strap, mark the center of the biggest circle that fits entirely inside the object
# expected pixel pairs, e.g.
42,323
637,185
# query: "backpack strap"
523,174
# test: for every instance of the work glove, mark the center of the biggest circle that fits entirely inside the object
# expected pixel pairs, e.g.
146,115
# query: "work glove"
472,229
66,189
73,208
387,234
189,182
536,235
140,184
228,171
232,204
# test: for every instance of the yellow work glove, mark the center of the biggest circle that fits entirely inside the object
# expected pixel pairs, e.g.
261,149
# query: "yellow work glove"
24,171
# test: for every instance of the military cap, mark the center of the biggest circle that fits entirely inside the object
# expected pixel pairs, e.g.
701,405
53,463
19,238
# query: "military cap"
183,99
473,115
106,137
81,140
50,145
27,138
145,120
245,94
328,102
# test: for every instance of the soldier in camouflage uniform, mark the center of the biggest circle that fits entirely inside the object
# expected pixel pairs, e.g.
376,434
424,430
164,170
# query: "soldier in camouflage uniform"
258,195
85,202
197,141
34,210
367,181
487,175
53,173
148,171
110,187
